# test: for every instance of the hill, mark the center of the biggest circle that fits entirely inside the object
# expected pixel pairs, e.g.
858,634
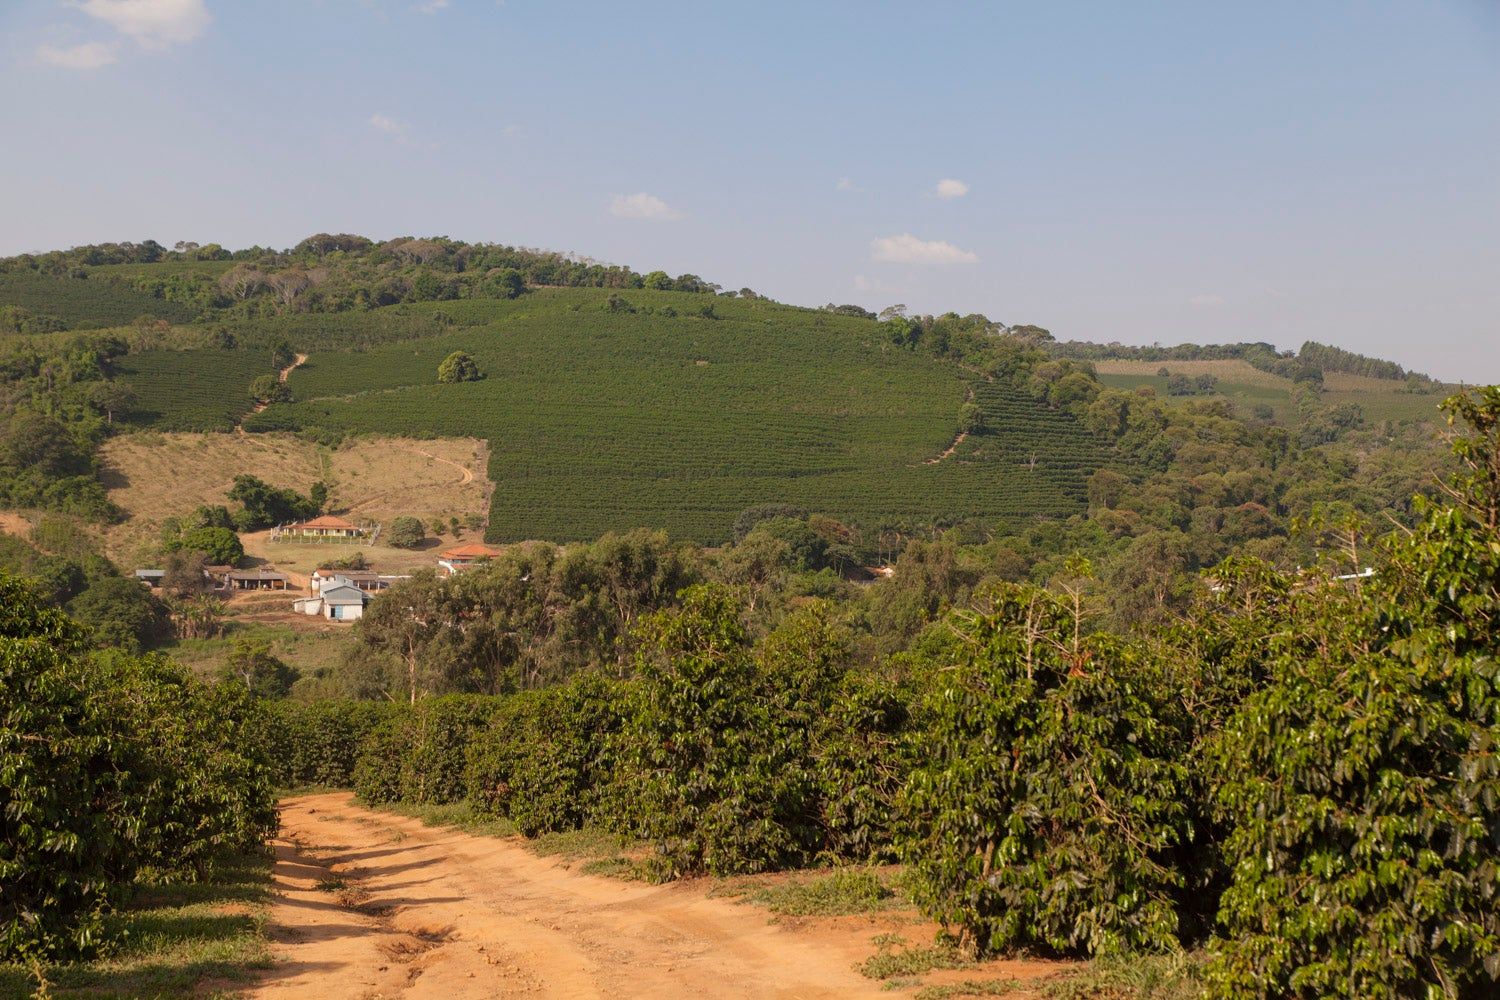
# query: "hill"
607,412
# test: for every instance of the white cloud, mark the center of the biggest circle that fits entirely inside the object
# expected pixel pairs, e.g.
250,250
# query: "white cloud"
155,24
949,188
1206,299
511,131
387,124
642,206
432,6
907,249
844,184
90,55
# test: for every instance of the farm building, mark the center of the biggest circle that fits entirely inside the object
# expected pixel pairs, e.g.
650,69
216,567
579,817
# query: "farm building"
150,577
319,528
218,575
256,579
338,600
366,580
456,560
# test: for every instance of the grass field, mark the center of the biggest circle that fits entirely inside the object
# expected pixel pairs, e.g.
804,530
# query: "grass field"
1246,386
601,420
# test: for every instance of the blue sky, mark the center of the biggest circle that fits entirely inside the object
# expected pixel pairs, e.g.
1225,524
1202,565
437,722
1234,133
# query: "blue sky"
1136,172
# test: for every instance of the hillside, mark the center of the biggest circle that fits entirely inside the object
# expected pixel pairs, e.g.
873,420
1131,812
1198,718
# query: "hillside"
649,414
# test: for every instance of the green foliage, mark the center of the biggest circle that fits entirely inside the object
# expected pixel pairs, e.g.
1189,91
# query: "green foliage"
841,892
192,390
121,613
459,367
406,532
418,756
111,765
264,505
1362,784
252,665
649,422
269,389
711,774
317,743
1053,790
546,758
85,302
221,546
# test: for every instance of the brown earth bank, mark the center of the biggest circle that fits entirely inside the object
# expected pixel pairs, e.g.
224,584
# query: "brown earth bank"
372,904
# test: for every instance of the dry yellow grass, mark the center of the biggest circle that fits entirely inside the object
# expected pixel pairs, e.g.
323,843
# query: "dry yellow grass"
1227,370
156,476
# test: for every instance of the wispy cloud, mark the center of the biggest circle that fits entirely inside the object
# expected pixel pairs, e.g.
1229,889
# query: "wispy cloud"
388,125
948,188
642,206
907,249
432,6
90,55
511,131
845,184
1206,299
154,24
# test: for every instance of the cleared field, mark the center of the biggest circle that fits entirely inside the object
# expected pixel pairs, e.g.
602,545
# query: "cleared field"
153,476
603,419
1246,385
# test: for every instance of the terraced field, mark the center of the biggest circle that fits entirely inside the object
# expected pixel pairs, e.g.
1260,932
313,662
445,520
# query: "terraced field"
601,420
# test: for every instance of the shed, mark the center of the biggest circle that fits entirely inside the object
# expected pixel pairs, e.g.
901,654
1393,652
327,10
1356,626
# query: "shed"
257,579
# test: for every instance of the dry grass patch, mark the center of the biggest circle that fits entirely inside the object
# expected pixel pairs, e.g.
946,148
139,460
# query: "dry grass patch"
1225,370
154,476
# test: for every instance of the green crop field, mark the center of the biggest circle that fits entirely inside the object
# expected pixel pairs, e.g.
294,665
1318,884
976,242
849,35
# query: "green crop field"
191,390
601,420
87,303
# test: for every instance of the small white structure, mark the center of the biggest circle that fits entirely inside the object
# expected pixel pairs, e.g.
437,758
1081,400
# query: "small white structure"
337,599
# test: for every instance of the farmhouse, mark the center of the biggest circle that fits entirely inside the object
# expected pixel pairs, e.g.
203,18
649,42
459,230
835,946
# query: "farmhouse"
365,580
256,579
337,600
324,527
458,559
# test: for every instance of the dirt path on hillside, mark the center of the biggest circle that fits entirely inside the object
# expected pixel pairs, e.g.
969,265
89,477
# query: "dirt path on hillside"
426,912
281,376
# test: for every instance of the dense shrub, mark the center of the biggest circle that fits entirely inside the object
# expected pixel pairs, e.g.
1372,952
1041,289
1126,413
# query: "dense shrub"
109,765
546,757
318,743
710,772
1053,792
418,755
1362,785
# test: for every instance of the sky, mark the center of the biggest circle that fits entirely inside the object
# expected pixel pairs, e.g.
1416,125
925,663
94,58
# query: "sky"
1155,172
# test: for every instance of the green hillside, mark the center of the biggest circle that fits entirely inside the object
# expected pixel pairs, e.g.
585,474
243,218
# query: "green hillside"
603,419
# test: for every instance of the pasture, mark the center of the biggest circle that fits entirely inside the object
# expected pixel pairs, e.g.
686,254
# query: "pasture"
1246,386
605,419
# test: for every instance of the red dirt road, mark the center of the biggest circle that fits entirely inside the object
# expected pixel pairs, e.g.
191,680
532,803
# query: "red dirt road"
433,912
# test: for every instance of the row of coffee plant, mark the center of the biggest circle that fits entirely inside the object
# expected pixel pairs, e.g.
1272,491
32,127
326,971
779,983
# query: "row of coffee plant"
114,770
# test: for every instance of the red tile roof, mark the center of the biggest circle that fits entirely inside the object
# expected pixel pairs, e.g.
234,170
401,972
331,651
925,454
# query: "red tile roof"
474,551
328,521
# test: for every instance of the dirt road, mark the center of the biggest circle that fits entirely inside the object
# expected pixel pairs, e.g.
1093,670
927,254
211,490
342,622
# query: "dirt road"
413,911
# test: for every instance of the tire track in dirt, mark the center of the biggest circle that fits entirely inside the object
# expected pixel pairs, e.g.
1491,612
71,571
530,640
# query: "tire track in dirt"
415,911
